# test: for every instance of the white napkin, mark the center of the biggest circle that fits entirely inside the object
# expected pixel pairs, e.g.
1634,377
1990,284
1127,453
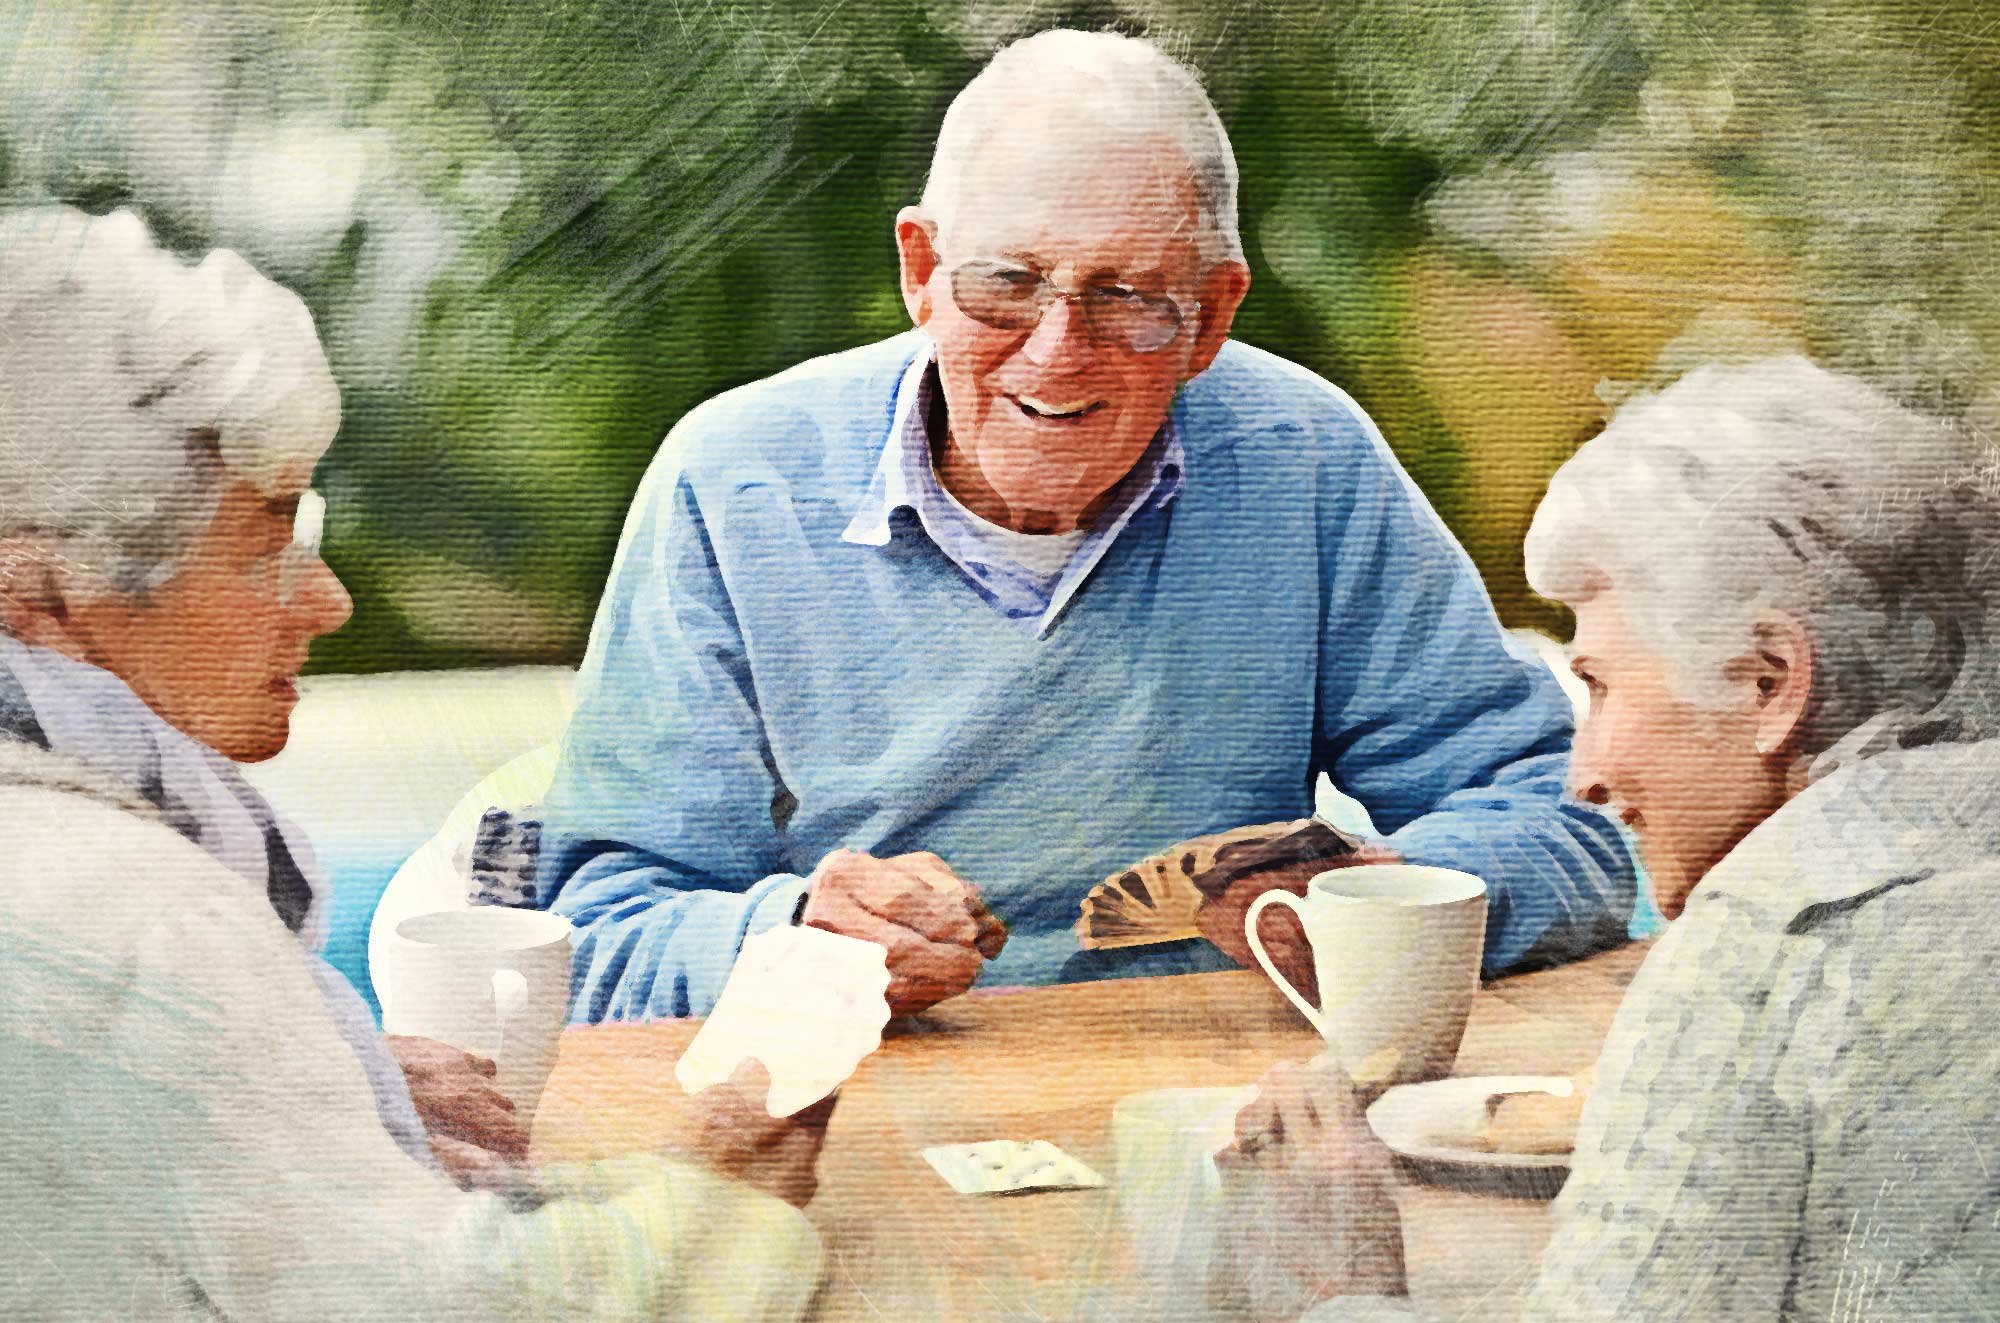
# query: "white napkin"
809,1004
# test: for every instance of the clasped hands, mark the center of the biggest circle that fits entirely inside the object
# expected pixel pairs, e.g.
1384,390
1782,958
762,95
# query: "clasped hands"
1307,1208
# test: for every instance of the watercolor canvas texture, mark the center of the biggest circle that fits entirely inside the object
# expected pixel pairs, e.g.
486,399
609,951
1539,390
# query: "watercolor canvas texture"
910,660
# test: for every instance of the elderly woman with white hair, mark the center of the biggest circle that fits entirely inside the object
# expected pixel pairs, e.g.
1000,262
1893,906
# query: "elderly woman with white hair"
201,1121
1785,616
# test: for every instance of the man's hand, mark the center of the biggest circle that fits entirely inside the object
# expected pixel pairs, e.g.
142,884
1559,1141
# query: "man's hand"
470,1123
735,1135
932,922
1281,855
1307,1206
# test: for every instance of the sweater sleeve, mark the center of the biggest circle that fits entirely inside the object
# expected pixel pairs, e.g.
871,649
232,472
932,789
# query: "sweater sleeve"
199,1125
660,843
1457,744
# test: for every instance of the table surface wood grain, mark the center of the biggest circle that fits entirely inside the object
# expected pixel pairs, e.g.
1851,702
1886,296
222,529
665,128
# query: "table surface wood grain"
1049,1063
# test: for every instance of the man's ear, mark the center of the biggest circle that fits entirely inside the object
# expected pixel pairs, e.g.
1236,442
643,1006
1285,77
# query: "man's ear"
1222,291
1781,670
915,248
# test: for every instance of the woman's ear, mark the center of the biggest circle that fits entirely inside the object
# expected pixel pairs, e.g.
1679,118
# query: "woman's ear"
1782,670
32,605
916,250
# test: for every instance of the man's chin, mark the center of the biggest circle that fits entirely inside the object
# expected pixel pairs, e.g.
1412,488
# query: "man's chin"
1023,447
1027,486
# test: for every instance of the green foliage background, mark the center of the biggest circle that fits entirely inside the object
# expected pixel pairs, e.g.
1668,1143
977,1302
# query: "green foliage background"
535,234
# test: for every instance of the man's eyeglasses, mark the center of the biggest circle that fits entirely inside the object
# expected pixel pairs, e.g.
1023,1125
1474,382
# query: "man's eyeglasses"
1011,297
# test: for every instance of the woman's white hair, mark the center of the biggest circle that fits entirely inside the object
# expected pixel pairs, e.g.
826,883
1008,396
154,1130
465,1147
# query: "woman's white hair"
133,388
1115,84
1746,494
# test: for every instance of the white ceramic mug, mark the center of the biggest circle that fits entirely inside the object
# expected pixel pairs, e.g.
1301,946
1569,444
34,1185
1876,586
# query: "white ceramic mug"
1396,948
489,980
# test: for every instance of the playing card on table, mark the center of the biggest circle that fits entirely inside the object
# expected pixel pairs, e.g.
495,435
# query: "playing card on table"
809,1004
1002,1166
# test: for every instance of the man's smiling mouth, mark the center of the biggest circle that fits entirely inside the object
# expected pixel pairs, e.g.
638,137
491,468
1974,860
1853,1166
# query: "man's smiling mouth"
1055,411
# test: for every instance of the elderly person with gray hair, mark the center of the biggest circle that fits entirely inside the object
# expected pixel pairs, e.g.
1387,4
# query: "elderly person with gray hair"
1785,617
970,619
201,1121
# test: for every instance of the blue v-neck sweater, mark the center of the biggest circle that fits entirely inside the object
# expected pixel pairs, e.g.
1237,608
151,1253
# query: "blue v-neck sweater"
761,689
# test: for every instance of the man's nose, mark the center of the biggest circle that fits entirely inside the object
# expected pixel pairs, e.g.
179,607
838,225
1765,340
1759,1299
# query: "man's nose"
1061,337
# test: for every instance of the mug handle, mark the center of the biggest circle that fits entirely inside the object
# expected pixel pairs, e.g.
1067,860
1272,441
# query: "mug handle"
510,998
1280,897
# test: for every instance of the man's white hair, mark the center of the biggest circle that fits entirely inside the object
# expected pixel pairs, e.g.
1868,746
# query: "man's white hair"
133,388
1120,85
1777,489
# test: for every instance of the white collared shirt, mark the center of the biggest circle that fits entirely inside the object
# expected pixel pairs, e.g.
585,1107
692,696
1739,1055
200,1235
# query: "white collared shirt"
1026,576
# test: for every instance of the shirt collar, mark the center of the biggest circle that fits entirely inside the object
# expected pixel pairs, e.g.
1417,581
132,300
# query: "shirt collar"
905,479
889,489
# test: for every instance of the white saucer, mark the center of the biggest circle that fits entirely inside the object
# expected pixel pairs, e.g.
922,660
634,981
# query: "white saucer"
1419,1121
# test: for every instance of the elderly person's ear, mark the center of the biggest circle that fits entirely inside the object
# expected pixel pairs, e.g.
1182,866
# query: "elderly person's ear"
32,606
1781,673
917,251
1222,292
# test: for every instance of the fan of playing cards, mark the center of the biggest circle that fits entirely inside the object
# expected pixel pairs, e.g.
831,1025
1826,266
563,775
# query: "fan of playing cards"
1157,898
808,1004
1153,901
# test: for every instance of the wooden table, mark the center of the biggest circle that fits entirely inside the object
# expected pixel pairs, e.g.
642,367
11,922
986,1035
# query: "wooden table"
1049,1063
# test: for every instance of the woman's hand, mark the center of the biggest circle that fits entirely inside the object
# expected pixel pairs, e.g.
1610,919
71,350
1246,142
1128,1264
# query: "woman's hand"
1307,1206
734,1134
470,1123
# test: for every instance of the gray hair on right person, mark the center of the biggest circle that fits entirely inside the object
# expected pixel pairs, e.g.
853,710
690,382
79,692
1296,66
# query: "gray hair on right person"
1777,488
133,388
1119,84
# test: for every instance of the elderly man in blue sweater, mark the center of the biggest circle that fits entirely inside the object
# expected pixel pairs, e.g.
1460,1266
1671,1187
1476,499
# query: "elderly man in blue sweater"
953,626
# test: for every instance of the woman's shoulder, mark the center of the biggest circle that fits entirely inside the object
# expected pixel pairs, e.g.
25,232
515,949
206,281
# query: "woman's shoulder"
60,834
132,944
1928,936
102,873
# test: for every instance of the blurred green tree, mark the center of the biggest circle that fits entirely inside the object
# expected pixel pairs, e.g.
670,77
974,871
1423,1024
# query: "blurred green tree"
534,235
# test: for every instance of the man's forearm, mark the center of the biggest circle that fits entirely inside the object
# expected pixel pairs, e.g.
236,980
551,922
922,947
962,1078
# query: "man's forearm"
650,946
1560,879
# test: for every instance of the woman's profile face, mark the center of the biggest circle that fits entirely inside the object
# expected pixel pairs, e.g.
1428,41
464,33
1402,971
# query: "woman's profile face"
216,650
1688,780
